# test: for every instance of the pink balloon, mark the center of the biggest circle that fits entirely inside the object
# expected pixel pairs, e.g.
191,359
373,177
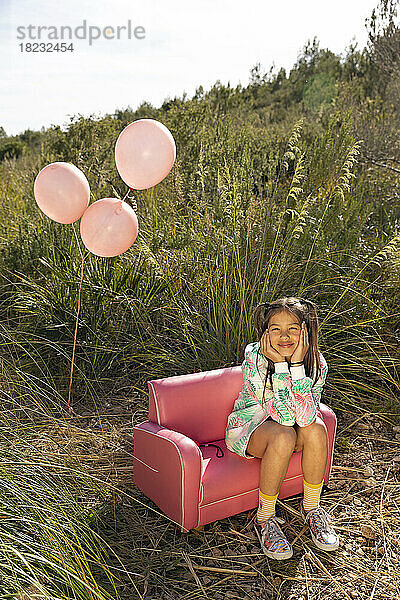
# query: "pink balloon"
62,192
144,153
109,227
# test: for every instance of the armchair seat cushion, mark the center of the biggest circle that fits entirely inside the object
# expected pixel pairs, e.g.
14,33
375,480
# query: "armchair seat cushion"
233,475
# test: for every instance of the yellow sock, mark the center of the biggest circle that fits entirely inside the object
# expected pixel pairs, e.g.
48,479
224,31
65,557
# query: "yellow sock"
312,493
266,506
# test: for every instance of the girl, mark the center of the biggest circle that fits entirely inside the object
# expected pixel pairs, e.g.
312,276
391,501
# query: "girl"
275,415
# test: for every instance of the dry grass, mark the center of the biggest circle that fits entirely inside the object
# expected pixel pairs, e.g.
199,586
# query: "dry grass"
224,560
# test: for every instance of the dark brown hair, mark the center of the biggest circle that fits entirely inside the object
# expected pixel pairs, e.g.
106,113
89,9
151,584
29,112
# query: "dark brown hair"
304,310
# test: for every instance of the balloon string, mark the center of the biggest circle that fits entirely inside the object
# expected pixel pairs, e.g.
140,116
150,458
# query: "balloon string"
131,198
76,331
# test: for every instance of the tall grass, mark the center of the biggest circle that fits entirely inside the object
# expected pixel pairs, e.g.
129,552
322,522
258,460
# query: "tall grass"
256,218
48,545
248,213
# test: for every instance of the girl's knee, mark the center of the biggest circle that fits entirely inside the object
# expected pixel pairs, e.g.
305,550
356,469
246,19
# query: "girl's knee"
284,439
314,433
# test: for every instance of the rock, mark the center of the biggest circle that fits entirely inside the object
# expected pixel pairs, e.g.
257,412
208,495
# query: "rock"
216,552
277,581
396,428
357,501
396,458
369,472
368,532
363,426
371,482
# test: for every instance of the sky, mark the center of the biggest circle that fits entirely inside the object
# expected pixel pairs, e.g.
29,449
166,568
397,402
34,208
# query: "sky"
179,45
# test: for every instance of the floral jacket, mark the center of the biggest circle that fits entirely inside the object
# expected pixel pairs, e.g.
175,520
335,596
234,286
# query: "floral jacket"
292,399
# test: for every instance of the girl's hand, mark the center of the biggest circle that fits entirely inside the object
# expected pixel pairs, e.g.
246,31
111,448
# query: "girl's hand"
268,350
302,347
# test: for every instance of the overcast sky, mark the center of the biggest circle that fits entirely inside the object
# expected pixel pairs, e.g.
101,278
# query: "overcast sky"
184,44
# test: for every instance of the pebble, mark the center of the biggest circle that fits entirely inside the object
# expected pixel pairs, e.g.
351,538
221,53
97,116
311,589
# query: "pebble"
396,458
277,581
369,472
371,481
396,428
368,532
357,501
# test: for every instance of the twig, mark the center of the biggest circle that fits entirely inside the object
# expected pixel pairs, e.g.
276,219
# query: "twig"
221,570
354,422
76,331
305,573
191,569
311,554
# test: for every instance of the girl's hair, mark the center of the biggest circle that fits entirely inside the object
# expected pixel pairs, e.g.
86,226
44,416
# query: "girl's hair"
304,310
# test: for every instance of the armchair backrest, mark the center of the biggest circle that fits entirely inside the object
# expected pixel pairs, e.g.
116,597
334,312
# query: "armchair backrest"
197,404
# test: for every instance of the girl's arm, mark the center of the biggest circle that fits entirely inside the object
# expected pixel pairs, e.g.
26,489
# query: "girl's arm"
306,394
281,406
279,402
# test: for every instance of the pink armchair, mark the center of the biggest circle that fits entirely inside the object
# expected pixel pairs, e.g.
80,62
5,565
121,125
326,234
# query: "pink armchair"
193,485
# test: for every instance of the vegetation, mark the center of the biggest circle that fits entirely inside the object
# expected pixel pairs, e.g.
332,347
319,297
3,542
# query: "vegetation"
287,186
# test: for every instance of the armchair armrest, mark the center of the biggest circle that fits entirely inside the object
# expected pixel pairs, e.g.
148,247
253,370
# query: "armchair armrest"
168,469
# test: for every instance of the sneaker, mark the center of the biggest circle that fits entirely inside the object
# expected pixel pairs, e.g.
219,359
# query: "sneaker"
322,534
272,540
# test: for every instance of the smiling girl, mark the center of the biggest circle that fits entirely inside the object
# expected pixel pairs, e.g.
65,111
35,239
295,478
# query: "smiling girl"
276,414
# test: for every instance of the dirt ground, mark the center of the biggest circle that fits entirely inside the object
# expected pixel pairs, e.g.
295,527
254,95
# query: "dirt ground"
224,561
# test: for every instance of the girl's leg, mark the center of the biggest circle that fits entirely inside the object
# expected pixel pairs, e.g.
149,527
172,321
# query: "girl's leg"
274,444
313,441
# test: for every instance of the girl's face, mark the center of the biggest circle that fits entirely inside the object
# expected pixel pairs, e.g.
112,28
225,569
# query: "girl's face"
284,332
